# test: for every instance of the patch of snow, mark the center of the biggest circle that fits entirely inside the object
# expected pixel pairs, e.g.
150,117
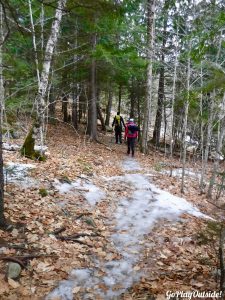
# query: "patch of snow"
189,140
10,147
215,155
91,192
19,173
178,173
40,148
94,195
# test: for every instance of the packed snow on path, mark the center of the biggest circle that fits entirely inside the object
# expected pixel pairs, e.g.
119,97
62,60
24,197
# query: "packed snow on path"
133,218
131,164
19,174
91,192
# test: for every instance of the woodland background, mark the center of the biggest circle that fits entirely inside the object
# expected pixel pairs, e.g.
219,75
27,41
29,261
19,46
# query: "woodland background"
161,62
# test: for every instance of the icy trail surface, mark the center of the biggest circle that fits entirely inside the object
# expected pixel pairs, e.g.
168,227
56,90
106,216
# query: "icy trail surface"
133,218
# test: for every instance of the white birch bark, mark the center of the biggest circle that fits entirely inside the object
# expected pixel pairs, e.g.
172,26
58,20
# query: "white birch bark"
34,42
44,78
42,27
148,101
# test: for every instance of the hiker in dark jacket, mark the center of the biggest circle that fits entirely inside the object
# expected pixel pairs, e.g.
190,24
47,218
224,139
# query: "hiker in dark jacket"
118,122
131,134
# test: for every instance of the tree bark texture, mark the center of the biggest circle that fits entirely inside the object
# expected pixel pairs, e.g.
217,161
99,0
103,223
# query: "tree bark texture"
148,100
158,120
65,108
119,97
100,116
2,94
109,107
186,109
75,109
219,145
92,103
132,98
161,94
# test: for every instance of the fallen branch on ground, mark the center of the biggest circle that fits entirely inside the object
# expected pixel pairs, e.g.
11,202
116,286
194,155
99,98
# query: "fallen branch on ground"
72,239
57,231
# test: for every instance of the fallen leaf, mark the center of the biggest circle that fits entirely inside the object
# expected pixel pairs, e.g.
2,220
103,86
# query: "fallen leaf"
14,284
76,289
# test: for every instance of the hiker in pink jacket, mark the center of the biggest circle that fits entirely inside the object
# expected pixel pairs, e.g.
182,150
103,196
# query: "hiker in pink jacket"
131,133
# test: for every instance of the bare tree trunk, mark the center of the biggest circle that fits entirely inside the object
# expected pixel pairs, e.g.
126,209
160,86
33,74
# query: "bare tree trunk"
161,96
51,108
92,105
82,104
119,98
138,107
109,107
34,42
220,133
221,258
148,100
75,108
202,138
100,116
132,98
64,108
75,87
2,217
42,15
158,119
219,145
173,100
184,152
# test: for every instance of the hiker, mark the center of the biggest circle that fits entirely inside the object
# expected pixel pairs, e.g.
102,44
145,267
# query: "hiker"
118,122
131,133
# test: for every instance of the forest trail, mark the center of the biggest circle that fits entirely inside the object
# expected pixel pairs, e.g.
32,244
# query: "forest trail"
107,227
131,218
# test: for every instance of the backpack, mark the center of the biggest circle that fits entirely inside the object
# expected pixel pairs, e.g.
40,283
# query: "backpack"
117,120
132,129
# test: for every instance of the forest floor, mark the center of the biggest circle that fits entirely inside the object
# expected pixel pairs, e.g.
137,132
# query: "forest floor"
110,226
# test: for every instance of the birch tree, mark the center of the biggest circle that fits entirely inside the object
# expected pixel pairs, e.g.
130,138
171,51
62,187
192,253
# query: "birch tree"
28,147
220,138
148,100
3,37
2,218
